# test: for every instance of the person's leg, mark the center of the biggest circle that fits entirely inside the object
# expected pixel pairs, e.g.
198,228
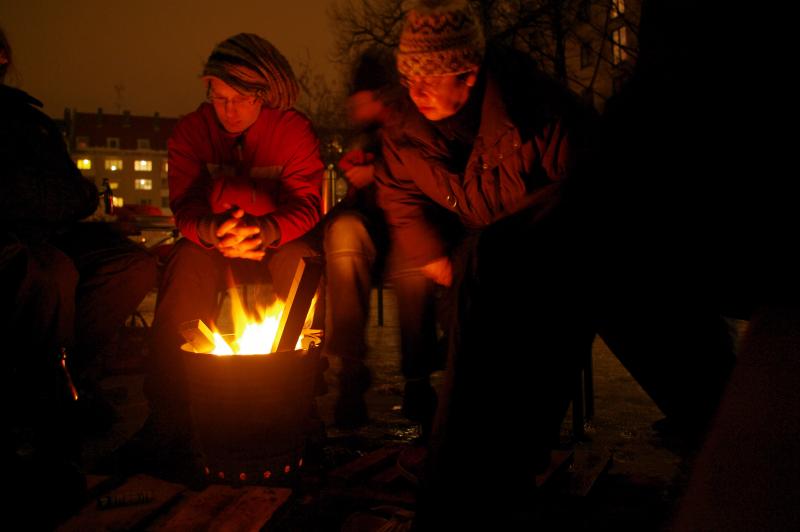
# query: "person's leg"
282,264
349,255
40,440
745,475
115,275
684,371
189,291
416,308
519,330
38,291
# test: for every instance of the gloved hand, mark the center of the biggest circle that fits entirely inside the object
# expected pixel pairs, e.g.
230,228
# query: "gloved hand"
270,233
240,235
234,235
207,228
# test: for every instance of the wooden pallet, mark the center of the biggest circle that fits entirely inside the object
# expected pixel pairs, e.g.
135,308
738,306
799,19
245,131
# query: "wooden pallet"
376,477
147,503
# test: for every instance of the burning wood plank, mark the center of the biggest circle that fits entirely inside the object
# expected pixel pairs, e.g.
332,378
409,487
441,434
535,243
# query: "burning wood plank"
304,286
198,335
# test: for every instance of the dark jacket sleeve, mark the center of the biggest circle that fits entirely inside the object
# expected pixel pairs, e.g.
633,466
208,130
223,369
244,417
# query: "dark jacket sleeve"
301,183
415,238
189,182
41,189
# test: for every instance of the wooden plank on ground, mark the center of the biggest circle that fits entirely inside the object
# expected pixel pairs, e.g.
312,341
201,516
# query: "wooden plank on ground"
558,460
154,493
387,477
363,466
587,468
197,509
221,507
251,511
369,496
93,482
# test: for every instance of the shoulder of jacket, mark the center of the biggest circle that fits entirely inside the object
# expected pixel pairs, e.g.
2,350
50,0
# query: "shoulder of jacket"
197,120
532,97
291,123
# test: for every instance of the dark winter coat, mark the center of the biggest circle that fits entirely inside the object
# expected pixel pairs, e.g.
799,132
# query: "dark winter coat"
526,146
41,189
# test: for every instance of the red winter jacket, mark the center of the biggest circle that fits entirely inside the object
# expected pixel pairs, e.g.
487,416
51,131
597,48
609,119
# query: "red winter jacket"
271,169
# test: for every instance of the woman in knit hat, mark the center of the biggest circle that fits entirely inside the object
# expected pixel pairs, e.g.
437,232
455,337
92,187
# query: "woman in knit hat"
245,180
490,142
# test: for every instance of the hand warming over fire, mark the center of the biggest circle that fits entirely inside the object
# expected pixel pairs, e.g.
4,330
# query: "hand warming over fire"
237,234
239,237
440,271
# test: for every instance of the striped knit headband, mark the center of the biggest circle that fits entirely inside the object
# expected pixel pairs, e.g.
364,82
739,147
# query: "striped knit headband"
251,64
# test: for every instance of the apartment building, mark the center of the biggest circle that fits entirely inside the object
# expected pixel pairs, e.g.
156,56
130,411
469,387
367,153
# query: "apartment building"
130,151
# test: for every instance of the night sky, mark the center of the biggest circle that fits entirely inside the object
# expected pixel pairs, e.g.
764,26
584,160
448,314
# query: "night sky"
73,53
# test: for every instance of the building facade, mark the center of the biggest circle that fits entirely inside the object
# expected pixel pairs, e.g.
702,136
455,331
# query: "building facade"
601,47
130,151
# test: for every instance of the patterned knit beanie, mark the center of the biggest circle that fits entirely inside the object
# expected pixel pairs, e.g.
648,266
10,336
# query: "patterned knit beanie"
440,38
251,64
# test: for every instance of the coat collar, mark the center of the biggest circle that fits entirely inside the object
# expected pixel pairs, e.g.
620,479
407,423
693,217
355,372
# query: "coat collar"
494,122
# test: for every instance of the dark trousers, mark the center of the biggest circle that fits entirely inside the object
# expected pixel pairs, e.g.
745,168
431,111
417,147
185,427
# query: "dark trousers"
352,248
73,291
190,289
520,326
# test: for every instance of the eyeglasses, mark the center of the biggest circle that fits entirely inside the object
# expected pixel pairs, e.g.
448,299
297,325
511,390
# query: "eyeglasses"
237,101
430,83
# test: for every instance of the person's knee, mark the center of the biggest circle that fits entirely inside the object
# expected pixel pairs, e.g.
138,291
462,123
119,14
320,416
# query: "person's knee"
347,234
188,258
284,262
140,273
53,270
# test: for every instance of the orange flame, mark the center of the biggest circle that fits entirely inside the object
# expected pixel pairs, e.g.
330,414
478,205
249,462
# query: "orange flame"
253,333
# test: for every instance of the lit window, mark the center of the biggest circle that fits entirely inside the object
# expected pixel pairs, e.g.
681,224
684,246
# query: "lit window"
84,164
114,165
166,167
117,201
143,184
114,185
585,10
617,8
586,55
143,144
143,166
619,44
112,142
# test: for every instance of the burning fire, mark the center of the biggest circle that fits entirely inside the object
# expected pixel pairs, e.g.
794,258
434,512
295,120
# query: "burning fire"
253,334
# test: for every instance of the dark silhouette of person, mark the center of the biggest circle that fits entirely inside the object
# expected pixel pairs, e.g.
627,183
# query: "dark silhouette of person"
489,145
65,288
356,244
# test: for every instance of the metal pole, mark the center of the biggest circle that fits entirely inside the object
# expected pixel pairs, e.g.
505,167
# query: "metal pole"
328,189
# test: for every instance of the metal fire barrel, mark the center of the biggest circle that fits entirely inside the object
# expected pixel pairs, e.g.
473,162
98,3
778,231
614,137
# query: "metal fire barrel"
251,413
